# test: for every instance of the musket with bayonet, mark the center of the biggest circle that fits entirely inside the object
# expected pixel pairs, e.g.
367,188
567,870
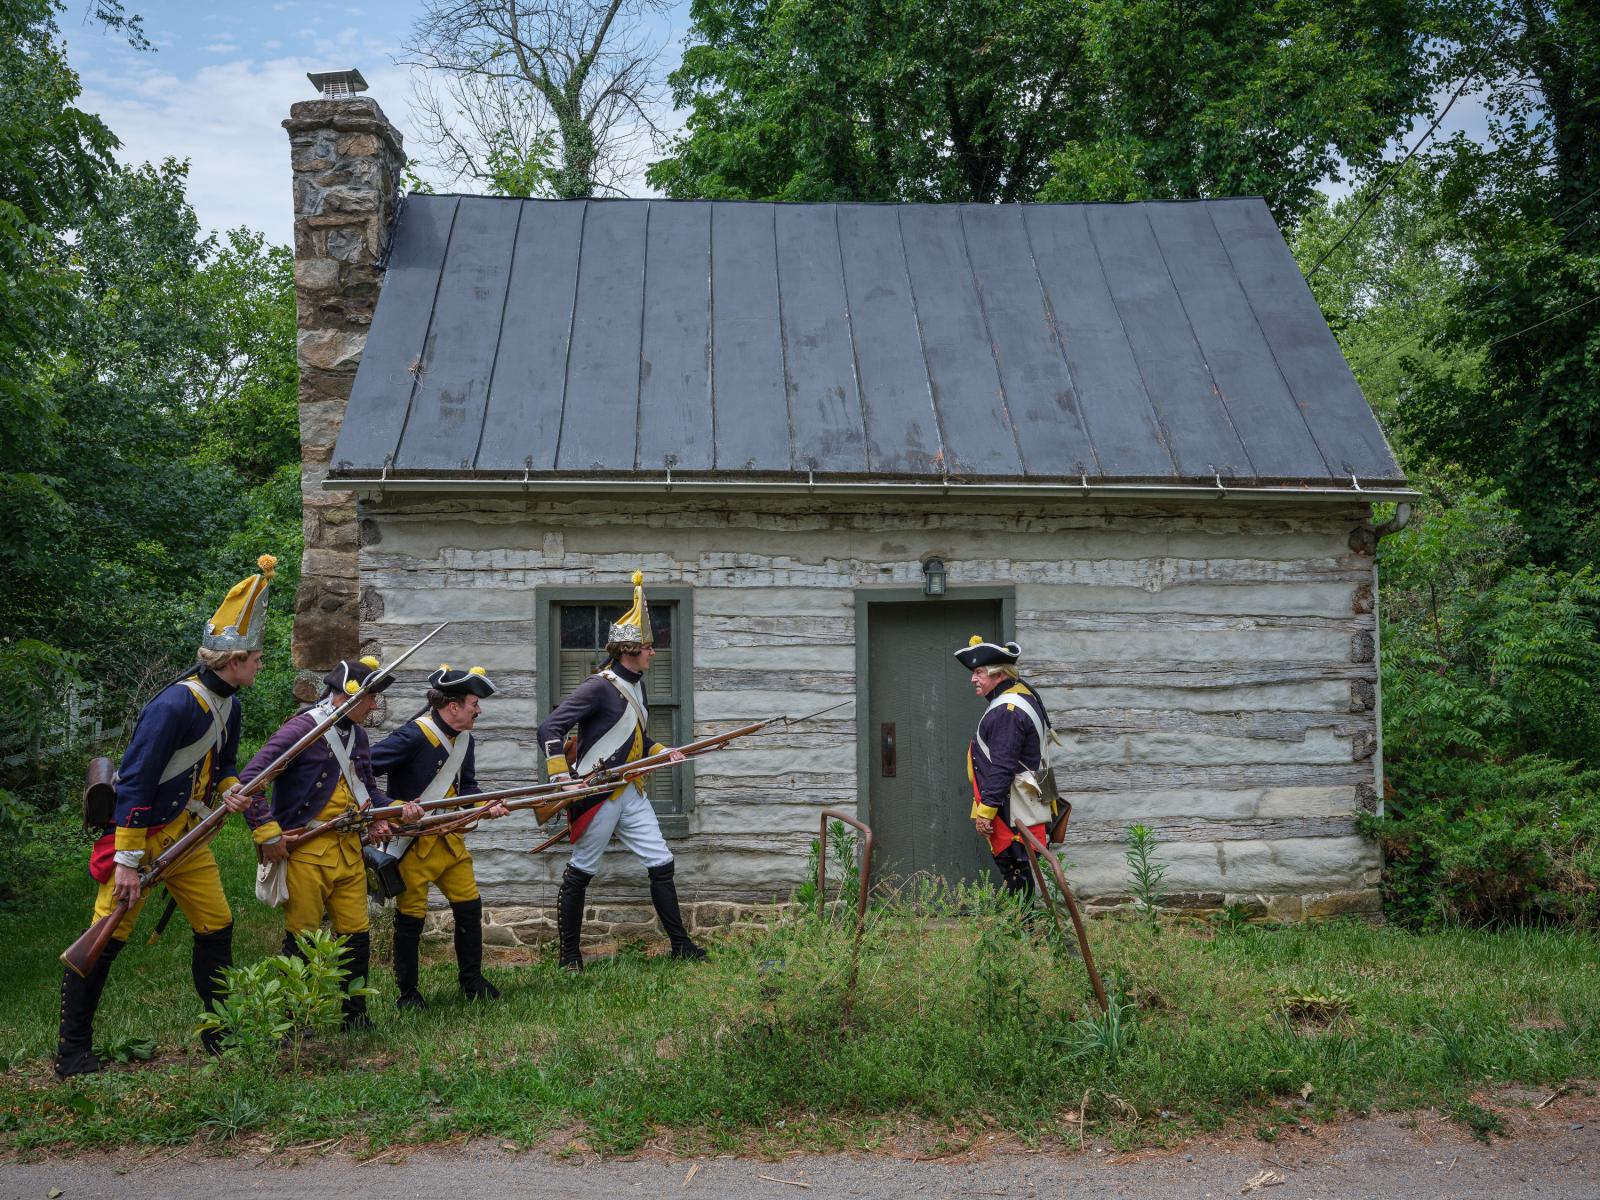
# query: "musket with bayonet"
82,955
549,800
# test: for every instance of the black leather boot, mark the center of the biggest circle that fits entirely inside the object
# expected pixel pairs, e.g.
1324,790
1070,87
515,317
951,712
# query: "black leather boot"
407,939
290,947
569,917
664,895
469,951
212,952
1017,876
80,996
358,961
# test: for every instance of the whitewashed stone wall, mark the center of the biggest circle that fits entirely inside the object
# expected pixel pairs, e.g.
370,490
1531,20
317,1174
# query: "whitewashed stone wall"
1210,666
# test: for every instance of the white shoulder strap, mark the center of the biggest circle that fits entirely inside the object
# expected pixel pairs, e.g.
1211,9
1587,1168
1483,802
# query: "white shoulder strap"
219,708
341,755
1015,700
446,778
608,743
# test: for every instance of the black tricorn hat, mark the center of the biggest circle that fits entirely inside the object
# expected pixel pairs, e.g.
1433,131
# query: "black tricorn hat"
474,681
347,676
979,653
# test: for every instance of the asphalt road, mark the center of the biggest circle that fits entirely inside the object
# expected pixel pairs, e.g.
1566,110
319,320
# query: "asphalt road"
1551,1154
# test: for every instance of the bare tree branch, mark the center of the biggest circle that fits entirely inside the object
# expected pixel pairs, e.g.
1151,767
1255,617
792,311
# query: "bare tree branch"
504,81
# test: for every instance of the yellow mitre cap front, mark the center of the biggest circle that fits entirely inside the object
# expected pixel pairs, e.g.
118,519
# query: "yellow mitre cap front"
633,626
240,622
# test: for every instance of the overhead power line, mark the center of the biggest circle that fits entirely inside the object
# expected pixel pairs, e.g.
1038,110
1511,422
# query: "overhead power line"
1394,171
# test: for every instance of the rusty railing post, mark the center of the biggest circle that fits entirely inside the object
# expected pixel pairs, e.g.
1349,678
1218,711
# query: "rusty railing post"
1036,848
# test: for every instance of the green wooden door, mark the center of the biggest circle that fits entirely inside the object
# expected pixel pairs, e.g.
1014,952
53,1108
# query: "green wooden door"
921,716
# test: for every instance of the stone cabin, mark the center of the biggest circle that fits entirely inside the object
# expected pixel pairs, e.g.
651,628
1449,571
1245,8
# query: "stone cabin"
839,439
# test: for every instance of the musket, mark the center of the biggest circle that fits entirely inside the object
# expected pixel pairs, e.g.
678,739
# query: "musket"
605,779
360,818
82,955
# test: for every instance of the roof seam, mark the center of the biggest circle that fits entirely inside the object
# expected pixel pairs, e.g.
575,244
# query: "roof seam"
943,459
494,362
1162,439
783,341
850,331
1249,304
988,333
420,367
1200,351
572,321
644,308
711,323
1061,342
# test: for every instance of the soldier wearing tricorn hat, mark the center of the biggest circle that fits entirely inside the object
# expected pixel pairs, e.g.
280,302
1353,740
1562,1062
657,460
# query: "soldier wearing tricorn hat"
180,758
610,715
1003,756
325,875
428,758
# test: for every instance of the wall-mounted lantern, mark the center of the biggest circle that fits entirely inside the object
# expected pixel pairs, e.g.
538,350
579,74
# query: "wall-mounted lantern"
933,577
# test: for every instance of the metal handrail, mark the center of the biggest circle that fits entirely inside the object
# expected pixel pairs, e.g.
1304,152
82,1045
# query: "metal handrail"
1035,848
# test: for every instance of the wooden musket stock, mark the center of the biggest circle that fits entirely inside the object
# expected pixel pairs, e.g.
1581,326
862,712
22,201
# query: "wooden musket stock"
82,955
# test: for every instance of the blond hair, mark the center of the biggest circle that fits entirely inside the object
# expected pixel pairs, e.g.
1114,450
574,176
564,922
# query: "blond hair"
1005,669
216,660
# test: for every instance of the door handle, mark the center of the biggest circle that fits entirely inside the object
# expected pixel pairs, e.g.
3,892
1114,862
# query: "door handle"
887,760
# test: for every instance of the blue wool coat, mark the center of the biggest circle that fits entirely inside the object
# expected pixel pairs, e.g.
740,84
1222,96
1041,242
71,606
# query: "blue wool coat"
306,786
410,760
175,718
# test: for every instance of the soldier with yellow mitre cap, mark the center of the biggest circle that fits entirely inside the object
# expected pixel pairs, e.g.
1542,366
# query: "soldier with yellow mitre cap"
325,876
609,714
180,759
430,757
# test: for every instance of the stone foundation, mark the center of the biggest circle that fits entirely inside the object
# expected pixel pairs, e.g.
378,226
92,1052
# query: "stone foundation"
532,925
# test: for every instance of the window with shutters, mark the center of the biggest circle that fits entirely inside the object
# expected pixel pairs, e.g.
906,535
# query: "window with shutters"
576,622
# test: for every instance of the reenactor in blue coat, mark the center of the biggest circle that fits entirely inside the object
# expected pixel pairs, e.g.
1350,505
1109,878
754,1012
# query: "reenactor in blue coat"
326,875
432,757
178,762
608,715
1003,757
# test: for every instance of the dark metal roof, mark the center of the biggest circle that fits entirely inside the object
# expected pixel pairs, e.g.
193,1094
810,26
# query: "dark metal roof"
1160,342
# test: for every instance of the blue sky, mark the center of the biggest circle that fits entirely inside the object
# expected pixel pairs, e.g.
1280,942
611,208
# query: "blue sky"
224,73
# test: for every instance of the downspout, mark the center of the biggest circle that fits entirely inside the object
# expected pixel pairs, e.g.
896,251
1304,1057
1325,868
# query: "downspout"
1401,518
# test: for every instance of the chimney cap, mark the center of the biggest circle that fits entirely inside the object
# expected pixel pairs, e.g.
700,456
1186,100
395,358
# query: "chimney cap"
336,85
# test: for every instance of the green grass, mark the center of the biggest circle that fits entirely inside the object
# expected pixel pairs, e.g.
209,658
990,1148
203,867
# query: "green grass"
958,1027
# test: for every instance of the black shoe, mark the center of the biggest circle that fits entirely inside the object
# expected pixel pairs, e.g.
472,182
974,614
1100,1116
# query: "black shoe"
569,917
358,961
407,939
80,997
664,895
469,951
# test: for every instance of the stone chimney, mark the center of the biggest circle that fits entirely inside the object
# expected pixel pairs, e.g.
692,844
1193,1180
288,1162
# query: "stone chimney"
347,160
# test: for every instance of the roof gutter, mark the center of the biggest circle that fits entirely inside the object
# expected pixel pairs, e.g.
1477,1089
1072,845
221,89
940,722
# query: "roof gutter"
386,482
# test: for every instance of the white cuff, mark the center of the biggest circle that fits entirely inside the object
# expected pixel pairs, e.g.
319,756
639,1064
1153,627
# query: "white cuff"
128,858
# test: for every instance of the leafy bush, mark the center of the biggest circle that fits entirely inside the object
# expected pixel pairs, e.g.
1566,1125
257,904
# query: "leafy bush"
1491,687
280,1000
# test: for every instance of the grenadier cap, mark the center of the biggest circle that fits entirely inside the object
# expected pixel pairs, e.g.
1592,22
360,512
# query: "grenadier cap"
979,653
633,626
241,622
347,676
474,681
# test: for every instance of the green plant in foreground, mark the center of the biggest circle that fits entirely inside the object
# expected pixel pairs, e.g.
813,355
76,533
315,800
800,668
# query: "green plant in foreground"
282,999
1144,873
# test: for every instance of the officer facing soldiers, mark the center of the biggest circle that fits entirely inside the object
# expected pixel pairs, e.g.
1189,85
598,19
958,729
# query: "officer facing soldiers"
431,757
325,875
181,756
1002,758
610,715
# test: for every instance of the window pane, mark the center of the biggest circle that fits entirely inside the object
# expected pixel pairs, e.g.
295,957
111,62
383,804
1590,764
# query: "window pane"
577,627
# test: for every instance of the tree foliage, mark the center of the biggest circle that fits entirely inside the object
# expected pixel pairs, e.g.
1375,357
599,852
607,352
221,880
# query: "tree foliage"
1054,99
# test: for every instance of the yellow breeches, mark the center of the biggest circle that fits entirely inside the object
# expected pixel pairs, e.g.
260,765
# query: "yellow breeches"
441,861
194,883
327,876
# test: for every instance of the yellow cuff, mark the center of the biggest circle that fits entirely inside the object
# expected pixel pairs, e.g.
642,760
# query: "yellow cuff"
222,788
130,839
985,811
265,833
656,749
556,765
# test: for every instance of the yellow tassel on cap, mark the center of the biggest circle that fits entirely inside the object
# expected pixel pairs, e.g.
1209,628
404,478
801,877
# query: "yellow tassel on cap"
477,671
351,687
638,578
444,666
975,640
268,565
369,661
